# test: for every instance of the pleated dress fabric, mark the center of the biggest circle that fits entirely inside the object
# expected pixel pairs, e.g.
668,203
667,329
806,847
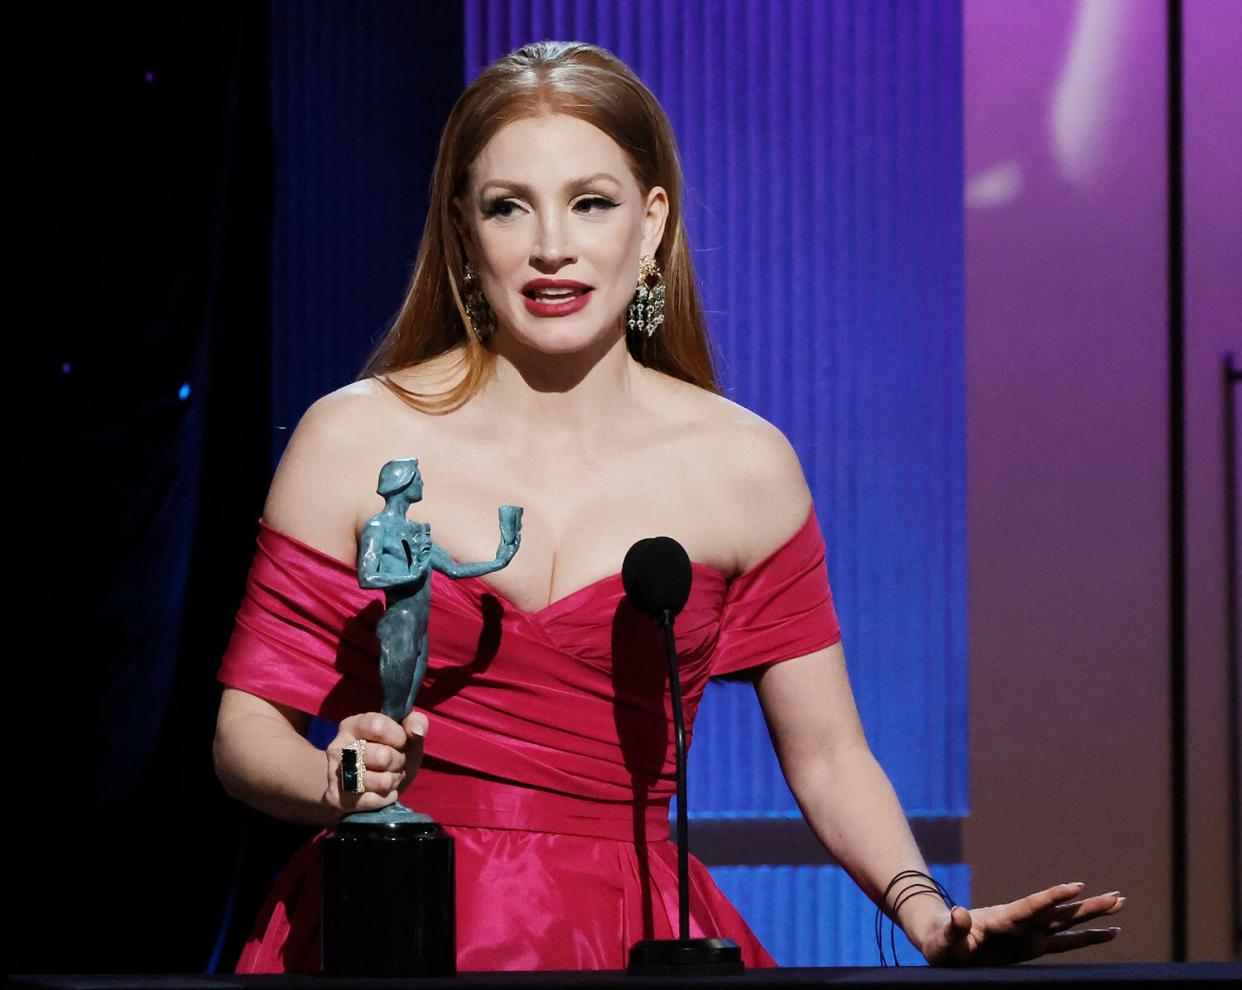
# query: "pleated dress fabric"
549,755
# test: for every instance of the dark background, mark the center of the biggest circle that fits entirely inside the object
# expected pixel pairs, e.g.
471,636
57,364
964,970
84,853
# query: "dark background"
149,174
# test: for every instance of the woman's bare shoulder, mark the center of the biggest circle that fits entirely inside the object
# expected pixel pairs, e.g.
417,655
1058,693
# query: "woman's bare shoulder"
326,474
750,468
758,453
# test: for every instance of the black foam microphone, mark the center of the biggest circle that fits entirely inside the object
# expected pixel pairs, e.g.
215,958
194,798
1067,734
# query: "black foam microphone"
656,575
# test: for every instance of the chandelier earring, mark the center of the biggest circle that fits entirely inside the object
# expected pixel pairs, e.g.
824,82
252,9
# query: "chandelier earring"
646,309
478,310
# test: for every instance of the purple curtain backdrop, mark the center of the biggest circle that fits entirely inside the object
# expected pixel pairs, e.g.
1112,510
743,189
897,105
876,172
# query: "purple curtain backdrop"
822,146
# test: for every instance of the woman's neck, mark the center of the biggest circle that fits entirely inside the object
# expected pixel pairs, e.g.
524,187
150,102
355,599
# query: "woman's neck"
578,397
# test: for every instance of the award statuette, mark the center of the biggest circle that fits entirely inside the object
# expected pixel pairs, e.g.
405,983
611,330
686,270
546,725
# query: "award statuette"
388,893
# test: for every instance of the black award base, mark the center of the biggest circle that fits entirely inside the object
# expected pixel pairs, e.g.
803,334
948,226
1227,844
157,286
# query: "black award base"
389,900
690,956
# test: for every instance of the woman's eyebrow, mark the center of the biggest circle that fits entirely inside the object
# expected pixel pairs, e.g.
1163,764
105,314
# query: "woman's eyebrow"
523,189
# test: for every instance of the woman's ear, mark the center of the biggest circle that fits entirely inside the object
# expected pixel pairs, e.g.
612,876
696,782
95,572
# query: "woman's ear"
654,219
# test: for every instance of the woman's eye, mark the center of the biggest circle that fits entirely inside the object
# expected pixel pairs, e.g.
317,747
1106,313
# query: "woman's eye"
502,208
506,208
592,202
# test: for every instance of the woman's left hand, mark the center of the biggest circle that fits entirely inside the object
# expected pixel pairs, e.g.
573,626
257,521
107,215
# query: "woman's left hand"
1021,929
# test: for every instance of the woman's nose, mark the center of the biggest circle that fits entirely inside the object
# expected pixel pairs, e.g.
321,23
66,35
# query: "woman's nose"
551,250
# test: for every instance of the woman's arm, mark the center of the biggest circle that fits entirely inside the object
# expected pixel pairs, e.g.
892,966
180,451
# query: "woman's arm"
263,759
843,792
845,795
261,755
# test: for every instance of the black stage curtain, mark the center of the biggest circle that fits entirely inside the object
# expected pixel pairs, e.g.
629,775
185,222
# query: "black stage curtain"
152,170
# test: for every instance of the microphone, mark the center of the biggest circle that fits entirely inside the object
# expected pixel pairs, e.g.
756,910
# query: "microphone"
656,575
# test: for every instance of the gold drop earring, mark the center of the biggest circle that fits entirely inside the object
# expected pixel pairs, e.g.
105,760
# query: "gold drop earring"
478,310
646,309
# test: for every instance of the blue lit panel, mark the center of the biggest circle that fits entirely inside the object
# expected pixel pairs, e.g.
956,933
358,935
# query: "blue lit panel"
822,145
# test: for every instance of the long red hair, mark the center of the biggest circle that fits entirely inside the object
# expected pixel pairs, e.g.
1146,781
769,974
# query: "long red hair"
587,82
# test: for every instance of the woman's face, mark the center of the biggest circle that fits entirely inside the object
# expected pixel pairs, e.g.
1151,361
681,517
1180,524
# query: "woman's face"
552,198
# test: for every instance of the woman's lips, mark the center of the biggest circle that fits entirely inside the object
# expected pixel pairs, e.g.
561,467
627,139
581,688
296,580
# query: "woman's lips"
542,307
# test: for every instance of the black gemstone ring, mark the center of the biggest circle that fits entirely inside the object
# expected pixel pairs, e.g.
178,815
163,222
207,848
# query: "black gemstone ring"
354,767
349,769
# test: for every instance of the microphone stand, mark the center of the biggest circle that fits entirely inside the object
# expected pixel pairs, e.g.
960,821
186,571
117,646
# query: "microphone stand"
692,956
683,823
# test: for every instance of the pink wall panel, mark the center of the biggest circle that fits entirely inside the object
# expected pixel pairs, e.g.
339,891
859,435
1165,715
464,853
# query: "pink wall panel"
1067,502
1213,232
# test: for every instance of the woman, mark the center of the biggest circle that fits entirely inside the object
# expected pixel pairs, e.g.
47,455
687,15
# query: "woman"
551,353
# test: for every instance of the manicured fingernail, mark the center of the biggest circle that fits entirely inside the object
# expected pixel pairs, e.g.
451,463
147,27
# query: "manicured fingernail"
1112,893
1121,900
1076,883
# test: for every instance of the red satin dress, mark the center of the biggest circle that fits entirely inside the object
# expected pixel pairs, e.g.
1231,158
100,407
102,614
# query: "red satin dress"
549,755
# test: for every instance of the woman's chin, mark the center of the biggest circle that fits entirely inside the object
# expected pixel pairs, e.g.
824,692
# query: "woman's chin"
555,340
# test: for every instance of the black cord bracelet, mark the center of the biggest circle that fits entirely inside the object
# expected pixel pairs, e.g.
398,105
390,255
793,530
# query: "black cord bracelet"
912,889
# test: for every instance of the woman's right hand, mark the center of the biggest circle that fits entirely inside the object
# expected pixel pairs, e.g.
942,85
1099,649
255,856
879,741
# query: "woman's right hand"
393,754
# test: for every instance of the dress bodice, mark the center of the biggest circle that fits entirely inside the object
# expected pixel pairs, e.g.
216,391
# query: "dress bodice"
571,699
549,753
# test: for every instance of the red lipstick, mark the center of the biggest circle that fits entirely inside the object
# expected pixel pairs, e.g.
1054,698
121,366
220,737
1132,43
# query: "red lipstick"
564,296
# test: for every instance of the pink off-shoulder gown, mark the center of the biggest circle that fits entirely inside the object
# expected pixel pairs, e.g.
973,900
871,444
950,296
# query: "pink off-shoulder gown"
549,755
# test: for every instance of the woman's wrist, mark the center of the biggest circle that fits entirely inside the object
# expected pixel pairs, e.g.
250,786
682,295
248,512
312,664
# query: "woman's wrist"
923,908
923,918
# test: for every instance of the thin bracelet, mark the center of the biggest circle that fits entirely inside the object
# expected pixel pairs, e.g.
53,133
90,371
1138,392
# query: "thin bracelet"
910,890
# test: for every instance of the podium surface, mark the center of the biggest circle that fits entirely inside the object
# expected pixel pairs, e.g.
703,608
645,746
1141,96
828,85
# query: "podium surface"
1113,976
